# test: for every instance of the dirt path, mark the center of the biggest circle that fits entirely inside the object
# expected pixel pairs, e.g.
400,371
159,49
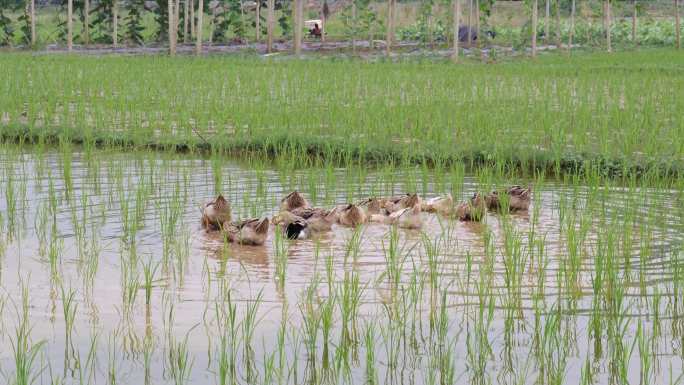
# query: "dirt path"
364,49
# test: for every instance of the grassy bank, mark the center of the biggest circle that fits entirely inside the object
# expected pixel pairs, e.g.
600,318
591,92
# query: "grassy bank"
556,114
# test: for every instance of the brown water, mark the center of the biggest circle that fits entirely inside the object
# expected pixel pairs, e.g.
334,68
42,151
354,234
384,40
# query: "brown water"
87,203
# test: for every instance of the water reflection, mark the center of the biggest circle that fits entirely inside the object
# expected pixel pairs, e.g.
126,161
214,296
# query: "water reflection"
91,222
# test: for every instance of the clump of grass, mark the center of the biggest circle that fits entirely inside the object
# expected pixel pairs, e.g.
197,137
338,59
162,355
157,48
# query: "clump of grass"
25,352
558,114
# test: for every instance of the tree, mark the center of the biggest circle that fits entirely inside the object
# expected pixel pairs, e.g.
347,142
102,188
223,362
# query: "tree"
193,30
677,26
6,27
86,22
457,19
325,12
571,33
391,6
186,20
607,24
477,22
27,20
634,22
470,22
171,34
198,33
115,23
547,23
228,18
33,22
270,24
297,18
559,41
534,28
358,18
134,23
70,25
103,22
257,21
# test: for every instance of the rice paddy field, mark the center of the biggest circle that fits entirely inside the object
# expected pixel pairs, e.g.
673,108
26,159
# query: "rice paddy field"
107,277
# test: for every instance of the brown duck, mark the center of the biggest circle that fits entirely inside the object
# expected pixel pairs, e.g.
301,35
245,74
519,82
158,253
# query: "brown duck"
293,200
406,218
442,205
215,213
248,232
401,202
352,215
317,219
518,198
471,210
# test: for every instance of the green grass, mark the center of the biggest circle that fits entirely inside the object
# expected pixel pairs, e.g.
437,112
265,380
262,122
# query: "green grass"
556,114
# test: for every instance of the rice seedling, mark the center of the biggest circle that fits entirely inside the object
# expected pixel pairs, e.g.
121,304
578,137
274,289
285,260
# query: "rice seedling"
249,324
431,103
280,256
178,359
228,341
69,308
25,351
149,273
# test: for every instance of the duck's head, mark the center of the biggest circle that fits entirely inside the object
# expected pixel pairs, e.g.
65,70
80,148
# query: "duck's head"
293,200
373,205
220,203
476,200
412,200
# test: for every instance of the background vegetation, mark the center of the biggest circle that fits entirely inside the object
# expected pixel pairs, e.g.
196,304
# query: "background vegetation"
555,114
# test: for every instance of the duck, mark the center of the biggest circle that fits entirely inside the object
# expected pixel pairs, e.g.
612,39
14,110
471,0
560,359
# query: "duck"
252,231
471,210
352,215
406,218
215,213
293,200
518,199
401,202
317,219
372,206
292,226
443,205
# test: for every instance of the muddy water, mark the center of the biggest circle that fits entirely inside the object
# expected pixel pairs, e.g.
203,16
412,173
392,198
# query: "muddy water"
89,222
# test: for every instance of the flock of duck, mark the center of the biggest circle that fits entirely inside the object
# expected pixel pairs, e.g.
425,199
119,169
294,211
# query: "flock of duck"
298,219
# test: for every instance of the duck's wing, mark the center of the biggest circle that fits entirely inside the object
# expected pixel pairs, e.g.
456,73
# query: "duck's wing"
261,226
308,212
410,200
251,222
395,215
